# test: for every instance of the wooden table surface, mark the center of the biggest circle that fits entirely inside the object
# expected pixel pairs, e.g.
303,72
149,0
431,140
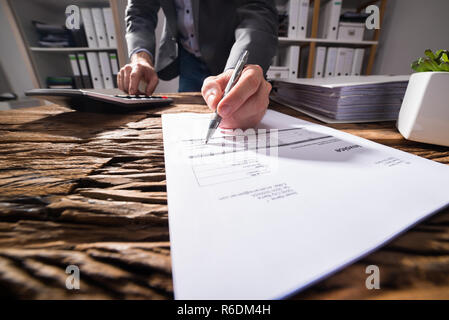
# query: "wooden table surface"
89,190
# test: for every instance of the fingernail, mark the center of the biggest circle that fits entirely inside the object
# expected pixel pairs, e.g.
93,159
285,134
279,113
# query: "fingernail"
225,110
210,100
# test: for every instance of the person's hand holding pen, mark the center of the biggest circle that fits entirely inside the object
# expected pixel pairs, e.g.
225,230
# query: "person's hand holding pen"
246,103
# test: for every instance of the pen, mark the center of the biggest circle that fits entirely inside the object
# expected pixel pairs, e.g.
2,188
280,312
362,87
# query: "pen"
215,122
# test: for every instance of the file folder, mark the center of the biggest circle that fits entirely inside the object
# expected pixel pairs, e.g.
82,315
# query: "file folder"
100,29
293,16
293,61
331,61
110,27
348,62
302,19
329,19
76,71
87,82
344,62
114,67
320,60
89,28
357,62
95,72
106,70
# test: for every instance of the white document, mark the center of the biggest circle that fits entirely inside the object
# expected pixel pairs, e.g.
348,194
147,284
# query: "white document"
331,62
110,27
263,223
303,15
89,28
100,28
329,19
95,71
106,70
357,64
320,59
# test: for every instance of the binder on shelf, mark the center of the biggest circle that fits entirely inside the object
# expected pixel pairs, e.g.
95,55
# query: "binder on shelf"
348,62
320,60
293,53
87,82
357,62
331,61
95,71
110,27
106,72
100,29
302,19
277,72
343,65
114,67
329,20
76,71
86,16
293,16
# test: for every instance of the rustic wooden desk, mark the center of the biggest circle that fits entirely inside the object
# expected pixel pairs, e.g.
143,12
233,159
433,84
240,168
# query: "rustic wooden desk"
89,190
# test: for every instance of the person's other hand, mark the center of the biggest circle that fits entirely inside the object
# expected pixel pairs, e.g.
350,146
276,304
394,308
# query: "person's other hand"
246,103
139,69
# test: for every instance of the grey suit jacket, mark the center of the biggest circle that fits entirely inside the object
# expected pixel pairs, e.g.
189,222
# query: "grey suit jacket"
225,28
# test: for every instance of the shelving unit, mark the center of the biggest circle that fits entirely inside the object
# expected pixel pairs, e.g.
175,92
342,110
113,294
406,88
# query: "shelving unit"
43,62
54,61
307,41
72,49
311,42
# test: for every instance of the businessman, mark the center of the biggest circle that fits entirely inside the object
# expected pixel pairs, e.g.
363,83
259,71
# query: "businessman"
201,42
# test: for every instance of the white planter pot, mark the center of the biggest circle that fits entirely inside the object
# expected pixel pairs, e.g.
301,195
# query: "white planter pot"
424,115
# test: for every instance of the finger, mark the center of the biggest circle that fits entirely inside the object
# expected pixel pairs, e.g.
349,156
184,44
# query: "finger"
126,73
134,79
119,81
213,88
251,112
152,84
122,81
248,83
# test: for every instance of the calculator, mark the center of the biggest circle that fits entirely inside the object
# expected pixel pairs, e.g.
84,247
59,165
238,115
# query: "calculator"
90,101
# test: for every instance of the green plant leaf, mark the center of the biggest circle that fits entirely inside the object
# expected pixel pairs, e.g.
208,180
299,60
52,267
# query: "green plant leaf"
438,61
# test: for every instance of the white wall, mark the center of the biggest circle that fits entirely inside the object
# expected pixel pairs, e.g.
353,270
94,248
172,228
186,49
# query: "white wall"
12,61
410,27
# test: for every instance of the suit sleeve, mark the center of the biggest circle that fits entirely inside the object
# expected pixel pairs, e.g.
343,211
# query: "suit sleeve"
257,32
141,21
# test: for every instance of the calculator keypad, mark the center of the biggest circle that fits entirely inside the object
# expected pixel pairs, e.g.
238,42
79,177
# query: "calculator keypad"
138,97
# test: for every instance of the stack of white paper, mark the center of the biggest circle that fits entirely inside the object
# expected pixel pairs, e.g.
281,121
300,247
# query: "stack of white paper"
344,99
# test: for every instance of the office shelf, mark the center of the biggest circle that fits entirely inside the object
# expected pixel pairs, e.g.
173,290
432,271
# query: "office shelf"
44,62
70,49
305,64
284,40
